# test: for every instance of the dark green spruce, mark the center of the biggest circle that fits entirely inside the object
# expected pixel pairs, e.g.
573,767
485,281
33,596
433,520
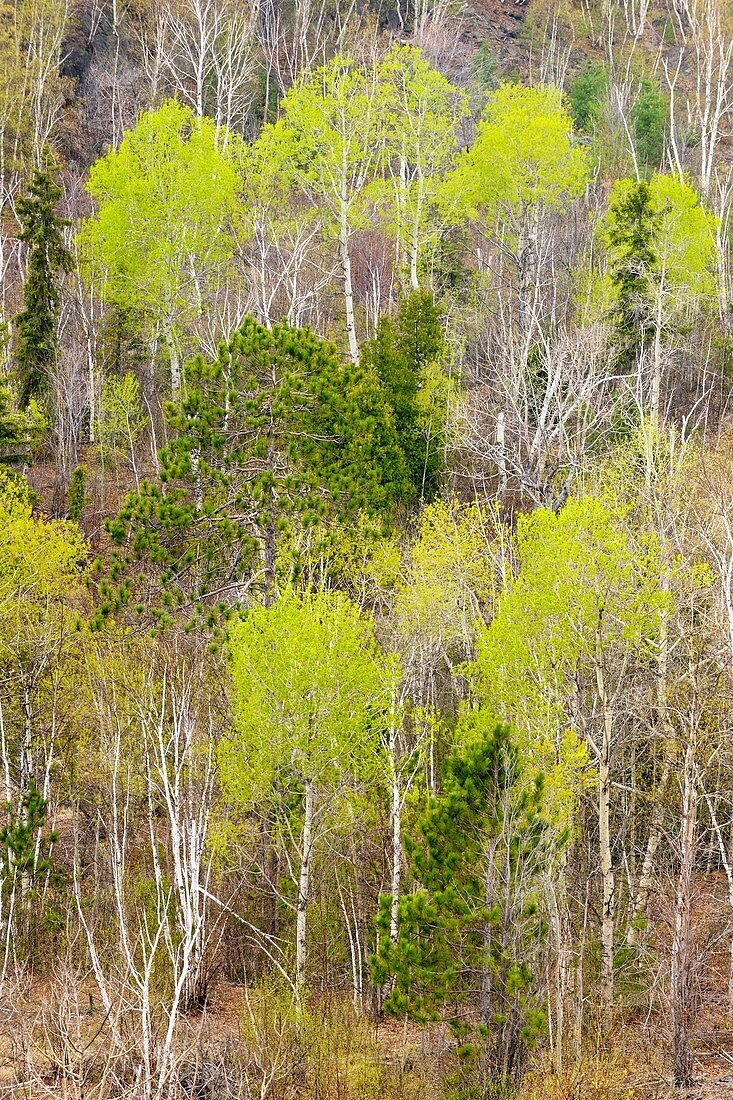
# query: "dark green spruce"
400,352
48,258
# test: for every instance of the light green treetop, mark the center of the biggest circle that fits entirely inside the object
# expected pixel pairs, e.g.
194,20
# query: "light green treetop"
41,590
167,201
450,577
682,235
309,684
326,149
422,119
523,157
120,416
328,141
585,589
40,560
307,674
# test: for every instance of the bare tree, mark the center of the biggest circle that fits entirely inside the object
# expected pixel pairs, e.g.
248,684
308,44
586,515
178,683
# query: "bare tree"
205,52
709,54
69,384
157,757
179,764
293,44
529,427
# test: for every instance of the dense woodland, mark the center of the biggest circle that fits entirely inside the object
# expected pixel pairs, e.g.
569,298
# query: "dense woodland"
366,549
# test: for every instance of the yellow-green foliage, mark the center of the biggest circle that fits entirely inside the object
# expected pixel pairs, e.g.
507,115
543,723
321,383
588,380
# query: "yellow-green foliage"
307,675
41,567
41,595
524,156
450,576
167,200
584,581
120,419
682,239
326,144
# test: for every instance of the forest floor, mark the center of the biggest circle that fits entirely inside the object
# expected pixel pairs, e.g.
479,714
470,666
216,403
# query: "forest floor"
352,1059
58,1020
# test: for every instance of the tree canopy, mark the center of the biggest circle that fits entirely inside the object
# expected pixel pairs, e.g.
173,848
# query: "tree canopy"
167,208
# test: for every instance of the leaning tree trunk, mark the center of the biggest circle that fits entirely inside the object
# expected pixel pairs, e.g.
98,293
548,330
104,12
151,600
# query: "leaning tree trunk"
646,876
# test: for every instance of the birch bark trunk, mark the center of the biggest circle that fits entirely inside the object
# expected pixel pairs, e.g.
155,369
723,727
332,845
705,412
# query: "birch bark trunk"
680,992
303,886
345,259
608,911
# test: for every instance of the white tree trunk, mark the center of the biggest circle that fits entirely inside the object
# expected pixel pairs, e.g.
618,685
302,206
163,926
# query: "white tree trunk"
345,260
562,935
608,910
680,975
304,885
500,437
609,891
396,853
646,876
175,364
656,386
415,242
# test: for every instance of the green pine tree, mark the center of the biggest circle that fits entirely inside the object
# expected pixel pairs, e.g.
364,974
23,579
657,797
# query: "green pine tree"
650,120
121,342
278,428
48,257
77,494
586,95
465,932
20,854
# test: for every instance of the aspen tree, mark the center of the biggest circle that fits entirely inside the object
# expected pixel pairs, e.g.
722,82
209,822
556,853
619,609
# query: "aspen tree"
167,205
306,676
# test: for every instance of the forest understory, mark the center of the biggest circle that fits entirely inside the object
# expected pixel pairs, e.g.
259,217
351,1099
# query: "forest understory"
245,1043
